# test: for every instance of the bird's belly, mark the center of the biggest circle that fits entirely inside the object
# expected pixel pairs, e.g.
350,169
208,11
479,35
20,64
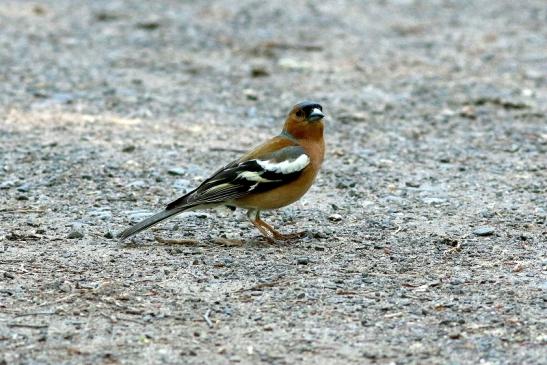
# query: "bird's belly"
278,197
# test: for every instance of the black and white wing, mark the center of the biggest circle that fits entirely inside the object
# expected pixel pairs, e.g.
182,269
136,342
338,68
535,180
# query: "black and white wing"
246,177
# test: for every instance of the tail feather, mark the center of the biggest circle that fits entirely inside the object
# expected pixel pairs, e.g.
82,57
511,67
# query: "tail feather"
151,221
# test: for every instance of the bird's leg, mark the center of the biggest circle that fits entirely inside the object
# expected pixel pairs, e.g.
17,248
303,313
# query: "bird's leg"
263,231
253,216
278,235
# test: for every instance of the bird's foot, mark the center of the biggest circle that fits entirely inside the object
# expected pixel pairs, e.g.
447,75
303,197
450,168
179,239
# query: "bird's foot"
288,236
183,241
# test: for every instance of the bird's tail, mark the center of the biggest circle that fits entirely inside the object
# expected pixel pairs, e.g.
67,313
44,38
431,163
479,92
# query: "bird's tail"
151,221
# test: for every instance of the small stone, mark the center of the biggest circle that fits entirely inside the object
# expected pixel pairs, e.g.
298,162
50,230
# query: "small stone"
487,213
102,213
250,94
104,16
65,287
318,234
484,231
259,71
468,112
433,200
447,112
109,235
8,184
38,10
23,188
149,25
370,355
412,184
335,217
75,234
303,261
137,184
128,149
454,335
177,171
294,64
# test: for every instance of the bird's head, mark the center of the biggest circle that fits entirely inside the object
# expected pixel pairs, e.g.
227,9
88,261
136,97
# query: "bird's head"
305,120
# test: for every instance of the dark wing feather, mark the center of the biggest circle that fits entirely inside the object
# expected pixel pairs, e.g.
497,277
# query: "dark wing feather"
240,178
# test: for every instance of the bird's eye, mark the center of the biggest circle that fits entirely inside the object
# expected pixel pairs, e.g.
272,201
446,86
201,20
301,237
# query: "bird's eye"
300,114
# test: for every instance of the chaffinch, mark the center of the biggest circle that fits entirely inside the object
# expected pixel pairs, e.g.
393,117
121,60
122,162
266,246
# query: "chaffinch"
270,176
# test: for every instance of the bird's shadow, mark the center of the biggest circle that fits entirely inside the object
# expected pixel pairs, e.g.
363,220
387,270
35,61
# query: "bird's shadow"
258,241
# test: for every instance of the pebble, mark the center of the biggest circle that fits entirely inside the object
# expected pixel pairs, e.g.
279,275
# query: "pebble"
8,184
335,217
434,201
259,71
23,188
394,199
294,64
412,184
177,171
149,25
75,234
487,213
468,112
250,94
65,287
128,149
137,184
303,260
102,213
318,234
109,235
484,231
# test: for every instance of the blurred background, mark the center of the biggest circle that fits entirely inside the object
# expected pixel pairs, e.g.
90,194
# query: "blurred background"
426,223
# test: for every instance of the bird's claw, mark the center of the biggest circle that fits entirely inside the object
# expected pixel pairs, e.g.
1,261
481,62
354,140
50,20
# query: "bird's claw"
289,236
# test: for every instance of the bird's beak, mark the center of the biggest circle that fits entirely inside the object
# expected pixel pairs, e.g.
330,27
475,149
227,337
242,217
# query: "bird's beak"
315,114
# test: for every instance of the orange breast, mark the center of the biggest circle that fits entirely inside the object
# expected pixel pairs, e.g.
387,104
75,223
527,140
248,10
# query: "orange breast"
291,192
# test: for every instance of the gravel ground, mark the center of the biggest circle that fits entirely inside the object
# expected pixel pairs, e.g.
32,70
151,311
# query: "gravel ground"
426,228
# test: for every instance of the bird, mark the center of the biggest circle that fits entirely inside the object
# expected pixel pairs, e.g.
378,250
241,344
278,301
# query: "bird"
270,176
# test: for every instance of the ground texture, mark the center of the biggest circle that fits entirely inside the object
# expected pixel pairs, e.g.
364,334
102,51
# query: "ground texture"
426,228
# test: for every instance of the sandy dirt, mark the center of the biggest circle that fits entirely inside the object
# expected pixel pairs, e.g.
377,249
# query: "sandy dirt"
426,227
